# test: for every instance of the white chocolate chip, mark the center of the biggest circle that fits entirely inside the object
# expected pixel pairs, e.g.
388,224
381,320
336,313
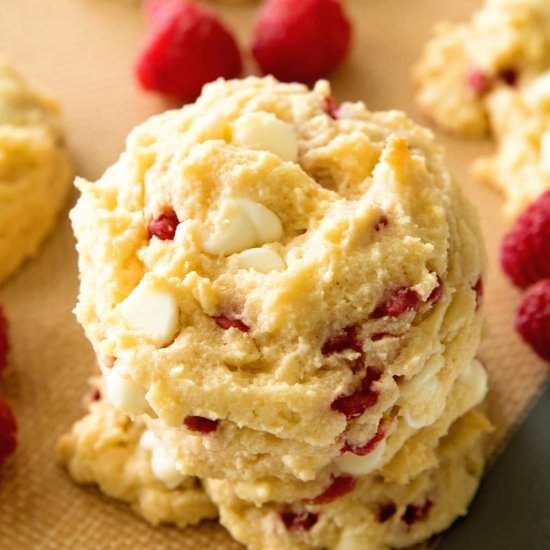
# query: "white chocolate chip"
538,93
422,395
265,132
262,260
243,224
475,377
151,312
267,225
125,394
362,465
163,466
148,440
544,157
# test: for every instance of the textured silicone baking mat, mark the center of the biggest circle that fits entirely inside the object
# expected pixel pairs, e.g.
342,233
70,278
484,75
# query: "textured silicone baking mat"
83,51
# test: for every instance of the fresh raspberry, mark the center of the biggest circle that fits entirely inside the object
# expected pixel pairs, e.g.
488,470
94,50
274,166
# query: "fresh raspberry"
524,254
8,432
339,487
187,47
533,318
201,424
164,226
4,342
302,40
299,522
226,323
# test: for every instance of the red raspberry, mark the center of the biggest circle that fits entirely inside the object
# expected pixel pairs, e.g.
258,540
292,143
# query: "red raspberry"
4,343
525,249
357,403
201,424
372,443
414,513
348,339
226,323
301,40
401,300
8,431
339,487
299,522
386,512
187,47
533,318
478,81
164,226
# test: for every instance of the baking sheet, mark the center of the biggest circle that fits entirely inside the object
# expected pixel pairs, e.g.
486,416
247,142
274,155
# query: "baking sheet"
83,51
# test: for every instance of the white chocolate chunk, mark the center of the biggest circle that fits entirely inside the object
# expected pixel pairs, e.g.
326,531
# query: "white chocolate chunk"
243,224
265,132
538,93
476,378
234,233
148,440
153,313
262,260
125,394
267,225
163,466
422,395
362,465
544,158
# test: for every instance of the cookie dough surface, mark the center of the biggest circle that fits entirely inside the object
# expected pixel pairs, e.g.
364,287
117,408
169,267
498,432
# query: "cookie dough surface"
35,172
108,449
259,256
377,514
505,44
520,170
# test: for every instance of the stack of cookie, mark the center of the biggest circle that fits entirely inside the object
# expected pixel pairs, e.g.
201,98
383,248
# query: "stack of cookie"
285,298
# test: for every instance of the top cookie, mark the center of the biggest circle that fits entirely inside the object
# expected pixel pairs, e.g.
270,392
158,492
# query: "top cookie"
507,43
250,255
34,168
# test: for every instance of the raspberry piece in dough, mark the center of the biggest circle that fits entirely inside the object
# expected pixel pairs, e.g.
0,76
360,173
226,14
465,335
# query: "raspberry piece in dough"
201,424
339,487
164,226
533,318
187,47
299,522
301,41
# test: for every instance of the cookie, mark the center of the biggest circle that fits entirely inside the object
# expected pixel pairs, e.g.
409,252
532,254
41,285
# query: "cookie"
376,513
35,171
505,44
520,170
266,267
108,449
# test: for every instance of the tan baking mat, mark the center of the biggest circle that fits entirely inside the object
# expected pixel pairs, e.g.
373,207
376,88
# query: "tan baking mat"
83,51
